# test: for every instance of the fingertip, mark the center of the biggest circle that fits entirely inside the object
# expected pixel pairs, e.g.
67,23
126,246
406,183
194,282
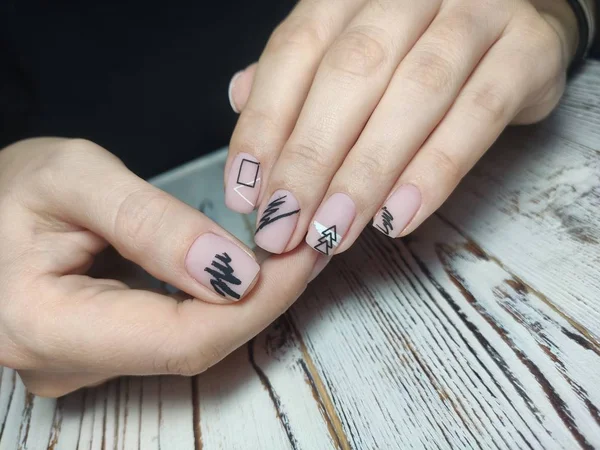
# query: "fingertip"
240,87
230,90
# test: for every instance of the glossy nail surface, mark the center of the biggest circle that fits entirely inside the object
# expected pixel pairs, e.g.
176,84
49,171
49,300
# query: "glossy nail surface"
277,222
243,184
398,210
331,222
219,264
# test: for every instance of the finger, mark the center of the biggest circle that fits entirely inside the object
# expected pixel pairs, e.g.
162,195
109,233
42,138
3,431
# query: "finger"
485,106
172,241
57,384
348,85
119,331
284,74
422,89
239,88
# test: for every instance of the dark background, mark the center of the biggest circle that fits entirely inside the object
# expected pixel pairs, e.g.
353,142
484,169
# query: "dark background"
146,80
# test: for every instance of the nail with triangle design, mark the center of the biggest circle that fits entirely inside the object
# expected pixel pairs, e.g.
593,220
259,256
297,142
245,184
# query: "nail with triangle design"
331,222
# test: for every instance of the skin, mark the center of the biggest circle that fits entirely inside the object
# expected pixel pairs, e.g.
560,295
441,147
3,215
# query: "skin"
63,202
329,92
363,96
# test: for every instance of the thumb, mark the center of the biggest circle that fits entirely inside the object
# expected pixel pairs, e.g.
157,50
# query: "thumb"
172,241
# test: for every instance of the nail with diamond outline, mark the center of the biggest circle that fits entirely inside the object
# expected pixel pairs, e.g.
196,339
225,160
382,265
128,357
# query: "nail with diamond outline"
243,184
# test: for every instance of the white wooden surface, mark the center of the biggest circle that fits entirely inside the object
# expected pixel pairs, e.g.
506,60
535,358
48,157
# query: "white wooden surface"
481,330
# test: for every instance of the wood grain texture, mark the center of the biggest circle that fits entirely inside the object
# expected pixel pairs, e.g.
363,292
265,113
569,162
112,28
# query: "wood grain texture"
480,330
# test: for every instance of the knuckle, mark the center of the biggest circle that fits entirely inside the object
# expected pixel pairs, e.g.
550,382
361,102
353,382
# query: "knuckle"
297,34
489,103
542,47
360,51
309,157
430,71
370,165
72,157
445,164
140,217
26,336
255,129
74,154
184,362
462,24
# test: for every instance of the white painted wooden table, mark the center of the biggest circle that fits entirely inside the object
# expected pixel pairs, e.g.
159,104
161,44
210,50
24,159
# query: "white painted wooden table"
481,330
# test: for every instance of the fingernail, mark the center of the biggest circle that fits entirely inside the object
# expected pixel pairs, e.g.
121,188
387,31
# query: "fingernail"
222,266
398,211
243,184
277,222
230,91
331,222
320,264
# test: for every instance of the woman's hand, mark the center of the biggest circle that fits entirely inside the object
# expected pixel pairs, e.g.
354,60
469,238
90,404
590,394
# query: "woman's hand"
61,203
377,108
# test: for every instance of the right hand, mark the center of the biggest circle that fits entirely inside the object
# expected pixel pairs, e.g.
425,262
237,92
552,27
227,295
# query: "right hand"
64,201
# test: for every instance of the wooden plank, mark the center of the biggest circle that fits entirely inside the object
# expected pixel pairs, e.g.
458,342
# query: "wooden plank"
262,397
479,331
532,203
431,345
578,117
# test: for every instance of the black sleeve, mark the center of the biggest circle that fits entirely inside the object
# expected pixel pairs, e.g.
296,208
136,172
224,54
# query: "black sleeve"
146,80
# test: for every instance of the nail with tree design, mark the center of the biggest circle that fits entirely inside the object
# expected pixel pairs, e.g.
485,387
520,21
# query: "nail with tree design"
330,223
219,264
277,222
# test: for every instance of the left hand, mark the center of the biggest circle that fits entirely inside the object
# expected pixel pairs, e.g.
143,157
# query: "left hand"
377,108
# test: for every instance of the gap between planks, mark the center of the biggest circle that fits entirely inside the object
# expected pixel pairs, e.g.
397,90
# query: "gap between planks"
476,249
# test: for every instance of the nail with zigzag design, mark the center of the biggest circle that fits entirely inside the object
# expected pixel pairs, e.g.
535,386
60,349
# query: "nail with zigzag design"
398,211
219,264
277,222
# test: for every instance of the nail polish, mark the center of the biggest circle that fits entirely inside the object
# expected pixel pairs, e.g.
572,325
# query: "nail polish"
398,210
277,222
230,91
219,264
331,222
243,184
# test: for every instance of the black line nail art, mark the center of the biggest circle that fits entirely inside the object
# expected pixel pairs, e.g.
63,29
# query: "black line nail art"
328,239
247,161
222,276
272,208
386,220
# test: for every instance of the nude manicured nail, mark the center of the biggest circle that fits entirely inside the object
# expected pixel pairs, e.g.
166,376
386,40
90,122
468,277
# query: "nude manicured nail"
243,184
230,91
331,222
219,264
398,211
277,222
